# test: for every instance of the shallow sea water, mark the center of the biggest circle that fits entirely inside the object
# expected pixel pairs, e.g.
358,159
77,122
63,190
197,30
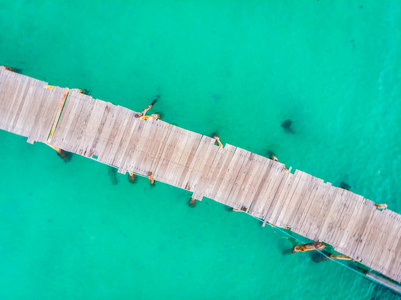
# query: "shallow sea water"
239,68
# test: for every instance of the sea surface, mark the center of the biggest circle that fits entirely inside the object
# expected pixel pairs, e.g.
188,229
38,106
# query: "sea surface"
77,230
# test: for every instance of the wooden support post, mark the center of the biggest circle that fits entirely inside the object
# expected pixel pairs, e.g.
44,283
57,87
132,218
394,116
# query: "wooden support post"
84,91
15,70
150,177
66,156
56,119
340,256
243,209
154,116
265,222
192,202
131,177
272,156
216,137
381,206
55,148
143,113
309,247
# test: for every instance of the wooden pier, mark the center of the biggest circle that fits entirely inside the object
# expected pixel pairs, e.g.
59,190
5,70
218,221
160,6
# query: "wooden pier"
248,182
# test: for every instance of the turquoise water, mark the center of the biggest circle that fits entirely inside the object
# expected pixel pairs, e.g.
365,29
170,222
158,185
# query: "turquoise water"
239,68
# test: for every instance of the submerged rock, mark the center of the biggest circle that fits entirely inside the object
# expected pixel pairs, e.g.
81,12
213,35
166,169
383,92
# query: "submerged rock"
113,175
345,186
64,155
318,257
131,177
287,126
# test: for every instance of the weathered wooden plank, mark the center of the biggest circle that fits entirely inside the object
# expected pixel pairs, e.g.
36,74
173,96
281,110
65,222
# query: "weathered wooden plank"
219,167
80,116
139,135
36,120
31,108
46,115
258,201
281,219
336,216
58,114
145,152
139,150
258,206
372,235
130,133
79,135
273,194
306,204
36,123
87,131
186,159
378,227
60,126
9,89
242,184
226,175
304,222
251,182
24,109
169,153
179,155
153,147
232,198
302,204
92,128
159,156
394,267
53,112
349,205
33,118
313,214
104,140
357,231
17,105
330,220
231,175
369,252
15,89
18,110
178,162
205,173
363,227
103,130
69,139
118,130
274,213
345,241
314,232
292,207
198,162
64,127
382,254
388,242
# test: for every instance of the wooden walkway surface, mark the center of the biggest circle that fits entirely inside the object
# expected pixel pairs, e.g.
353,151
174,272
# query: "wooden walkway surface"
233,176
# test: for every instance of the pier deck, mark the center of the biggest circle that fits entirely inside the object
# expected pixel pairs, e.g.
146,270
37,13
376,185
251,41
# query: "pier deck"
233,176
